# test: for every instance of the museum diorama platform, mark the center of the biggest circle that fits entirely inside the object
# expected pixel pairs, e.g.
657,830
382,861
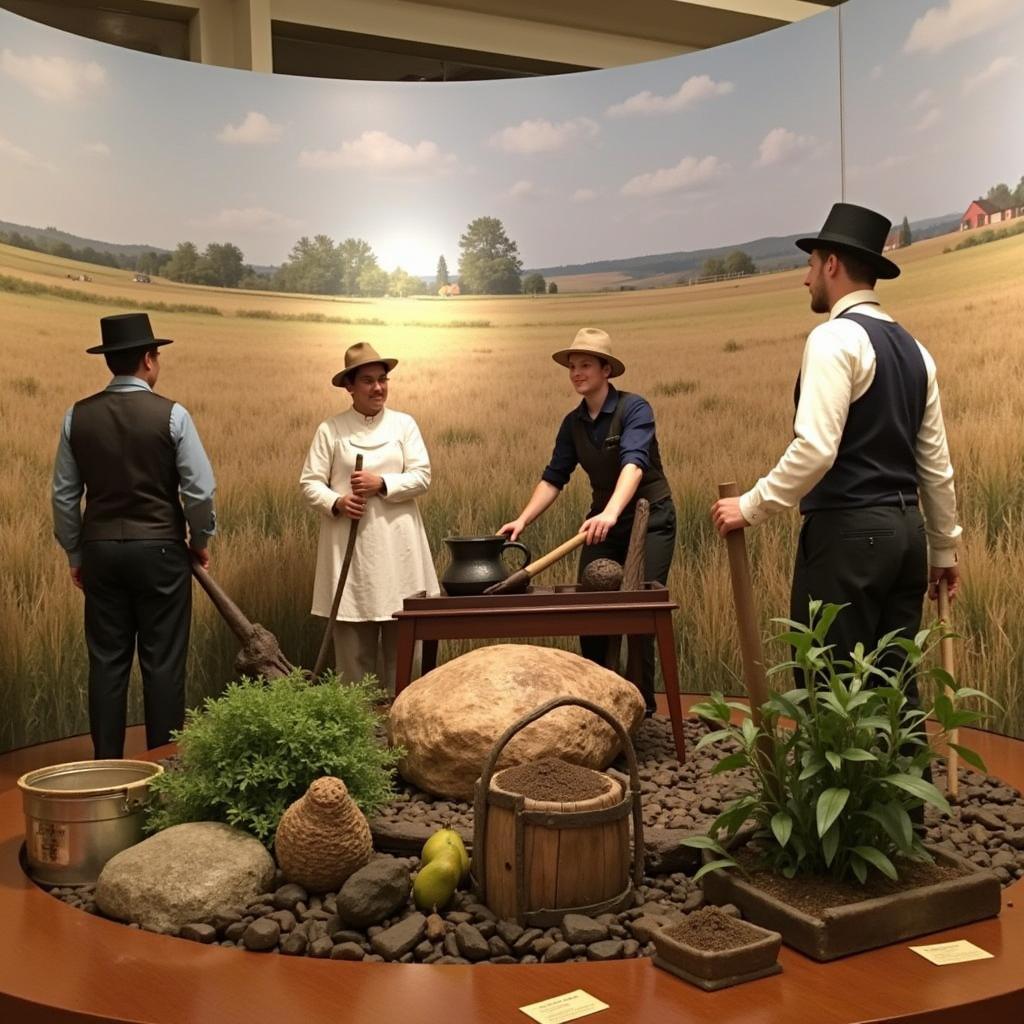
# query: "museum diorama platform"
59,964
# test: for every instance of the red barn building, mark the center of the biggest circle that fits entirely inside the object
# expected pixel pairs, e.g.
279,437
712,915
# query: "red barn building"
982,213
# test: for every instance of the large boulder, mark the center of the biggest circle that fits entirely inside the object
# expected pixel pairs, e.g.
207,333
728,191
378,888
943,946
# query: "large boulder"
449,719
186,873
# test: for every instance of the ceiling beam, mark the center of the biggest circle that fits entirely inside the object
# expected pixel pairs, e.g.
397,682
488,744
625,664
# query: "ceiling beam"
779,10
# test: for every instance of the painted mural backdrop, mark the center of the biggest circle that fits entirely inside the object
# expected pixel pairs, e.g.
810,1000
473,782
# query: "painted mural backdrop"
268,222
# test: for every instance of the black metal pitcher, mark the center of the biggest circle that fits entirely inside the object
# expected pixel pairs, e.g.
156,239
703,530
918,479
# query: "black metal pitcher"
476,564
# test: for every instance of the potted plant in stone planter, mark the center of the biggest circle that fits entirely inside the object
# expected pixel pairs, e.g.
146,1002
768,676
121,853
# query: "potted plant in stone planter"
838,769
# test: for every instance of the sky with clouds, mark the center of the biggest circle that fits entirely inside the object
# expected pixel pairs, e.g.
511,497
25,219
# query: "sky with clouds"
711,148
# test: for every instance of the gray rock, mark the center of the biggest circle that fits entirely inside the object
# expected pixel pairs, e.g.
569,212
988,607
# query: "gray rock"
557,953
183,874
394,942
610,949
497,946
204,933
525,941
289,896
472,945
321,948
347,935
347,951
510,930
294,944
284,918
262,935
374,892
578,928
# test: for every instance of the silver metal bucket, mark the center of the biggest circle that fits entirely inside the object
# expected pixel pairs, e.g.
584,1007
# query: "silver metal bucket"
79,814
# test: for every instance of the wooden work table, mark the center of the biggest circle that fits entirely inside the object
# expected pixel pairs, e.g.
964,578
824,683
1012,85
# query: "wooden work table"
58,965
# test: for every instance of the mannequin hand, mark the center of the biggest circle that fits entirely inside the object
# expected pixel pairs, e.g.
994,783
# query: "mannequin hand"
366,484
726,515
597,527
351,505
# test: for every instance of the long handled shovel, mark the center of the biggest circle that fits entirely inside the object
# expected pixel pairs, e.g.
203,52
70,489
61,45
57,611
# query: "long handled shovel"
325,644
520,579
946,651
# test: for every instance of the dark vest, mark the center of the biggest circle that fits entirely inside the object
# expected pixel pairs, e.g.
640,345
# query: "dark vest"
602,464
876,463
122,444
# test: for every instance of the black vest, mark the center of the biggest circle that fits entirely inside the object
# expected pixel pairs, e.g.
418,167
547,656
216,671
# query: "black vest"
876,463
122,444
602,464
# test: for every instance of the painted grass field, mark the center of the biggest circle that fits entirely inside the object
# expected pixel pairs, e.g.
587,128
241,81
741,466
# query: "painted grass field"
717,361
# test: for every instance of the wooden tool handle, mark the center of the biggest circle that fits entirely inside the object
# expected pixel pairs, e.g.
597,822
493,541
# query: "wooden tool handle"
540,564
746,616
946,652
231,613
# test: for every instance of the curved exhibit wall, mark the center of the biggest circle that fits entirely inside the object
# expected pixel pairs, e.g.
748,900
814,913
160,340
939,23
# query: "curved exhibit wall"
631,190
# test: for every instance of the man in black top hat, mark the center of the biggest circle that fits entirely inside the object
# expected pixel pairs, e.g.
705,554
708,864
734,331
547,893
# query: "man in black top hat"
137,459
869,464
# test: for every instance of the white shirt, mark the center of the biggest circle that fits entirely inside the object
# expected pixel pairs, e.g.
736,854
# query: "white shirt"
838,368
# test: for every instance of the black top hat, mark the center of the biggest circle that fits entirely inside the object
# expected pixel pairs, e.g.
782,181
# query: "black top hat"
124,331
856,229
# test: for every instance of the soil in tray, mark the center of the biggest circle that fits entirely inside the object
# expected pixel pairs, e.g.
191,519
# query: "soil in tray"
713,931
554,779
814,894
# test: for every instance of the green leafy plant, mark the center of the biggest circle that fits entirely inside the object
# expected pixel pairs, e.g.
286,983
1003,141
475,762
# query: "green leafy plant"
249,753
838,764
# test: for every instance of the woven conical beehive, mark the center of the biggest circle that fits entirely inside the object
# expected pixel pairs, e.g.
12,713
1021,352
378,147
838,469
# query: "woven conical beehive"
323,837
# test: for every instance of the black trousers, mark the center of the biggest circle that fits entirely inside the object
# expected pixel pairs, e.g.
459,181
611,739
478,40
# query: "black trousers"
661,543
875,560
137,593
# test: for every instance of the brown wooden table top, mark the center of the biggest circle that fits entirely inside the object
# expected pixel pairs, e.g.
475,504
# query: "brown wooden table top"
59,964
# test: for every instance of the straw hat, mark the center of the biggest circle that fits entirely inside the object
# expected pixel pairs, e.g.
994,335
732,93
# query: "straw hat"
360,354
590,341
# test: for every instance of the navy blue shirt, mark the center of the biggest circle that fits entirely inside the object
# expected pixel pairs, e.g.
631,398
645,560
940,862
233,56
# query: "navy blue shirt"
634,448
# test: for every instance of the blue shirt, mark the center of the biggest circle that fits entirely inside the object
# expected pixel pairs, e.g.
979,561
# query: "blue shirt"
197,485
634,447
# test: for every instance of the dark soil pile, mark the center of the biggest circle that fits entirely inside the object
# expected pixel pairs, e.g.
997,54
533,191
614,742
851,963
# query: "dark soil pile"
551,778
713,930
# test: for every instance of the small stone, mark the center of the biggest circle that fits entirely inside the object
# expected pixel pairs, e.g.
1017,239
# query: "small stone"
542,945
347,935
557,953
204,933
472,945
578,928
401,938
478,910
222,920
525,941
435,928
498,947
424,949
284,918
347,951
731,909
510,930
529,959
294,944
321,948
289,895
261,935
504,960
487,928
235,930
610,949
630,948
644,928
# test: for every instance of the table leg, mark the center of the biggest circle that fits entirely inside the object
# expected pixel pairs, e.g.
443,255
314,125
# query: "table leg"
670,673
429,661
405,646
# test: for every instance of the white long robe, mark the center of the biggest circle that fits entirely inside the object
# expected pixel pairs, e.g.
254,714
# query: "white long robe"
392,558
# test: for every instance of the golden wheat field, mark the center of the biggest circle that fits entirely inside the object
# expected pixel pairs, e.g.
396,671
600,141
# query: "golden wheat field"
717,361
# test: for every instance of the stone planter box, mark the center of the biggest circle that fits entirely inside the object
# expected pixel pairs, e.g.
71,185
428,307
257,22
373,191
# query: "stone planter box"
715,969
871,923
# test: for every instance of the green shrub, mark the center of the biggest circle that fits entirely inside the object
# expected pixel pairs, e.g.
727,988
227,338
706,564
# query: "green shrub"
246,755
837,764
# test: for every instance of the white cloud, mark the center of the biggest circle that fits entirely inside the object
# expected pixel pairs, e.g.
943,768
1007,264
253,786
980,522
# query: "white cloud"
56,79
998,67
923,99
688,173
249,218
21,155
584,195
256,129
780,145
693,90
524,190
888,163
97,148
939,28
929,120
543,136
380,152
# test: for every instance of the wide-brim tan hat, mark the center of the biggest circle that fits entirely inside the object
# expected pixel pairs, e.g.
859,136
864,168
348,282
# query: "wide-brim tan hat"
360,354
591,341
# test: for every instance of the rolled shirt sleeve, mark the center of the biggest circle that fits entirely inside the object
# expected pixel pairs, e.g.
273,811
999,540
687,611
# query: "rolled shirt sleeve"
197,485
314,480
637,434
414,479
67,496
563,457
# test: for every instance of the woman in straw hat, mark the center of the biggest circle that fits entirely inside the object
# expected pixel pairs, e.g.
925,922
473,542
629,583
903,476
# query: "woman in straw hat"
392,558
611,435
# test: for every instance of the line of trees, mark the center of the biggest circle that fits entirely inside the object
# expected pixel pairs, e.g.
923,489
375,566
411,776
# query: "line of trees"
1004,198
735,263
87,254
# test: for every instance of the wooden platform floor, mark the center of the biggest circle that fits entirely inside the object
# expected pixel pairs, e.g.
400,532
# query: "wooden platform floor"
60,965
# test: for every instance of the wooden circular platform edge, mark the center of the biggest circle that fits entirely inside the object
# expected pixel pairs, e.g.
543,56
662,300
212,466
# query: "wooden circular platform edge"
58,964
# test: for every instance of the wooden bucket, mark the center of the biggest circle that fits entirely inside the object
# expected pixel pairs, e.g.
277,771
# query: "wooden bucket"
535,861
